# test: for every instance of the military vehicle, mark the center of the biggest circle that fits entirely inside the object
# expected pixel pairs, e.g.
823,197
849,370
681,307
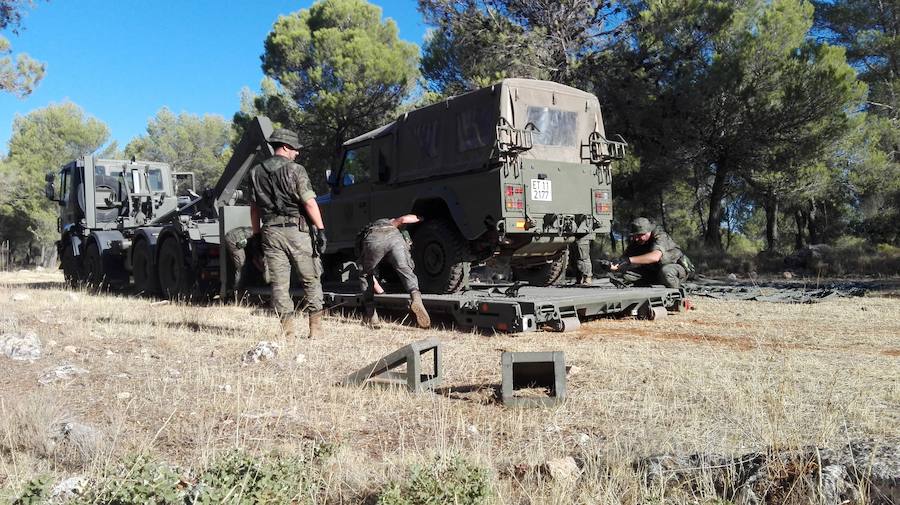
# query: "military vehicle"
519,170
120,220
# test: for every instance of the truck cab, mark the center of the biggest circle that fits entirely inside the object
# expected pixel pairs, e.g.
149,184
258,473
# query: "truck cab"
519,169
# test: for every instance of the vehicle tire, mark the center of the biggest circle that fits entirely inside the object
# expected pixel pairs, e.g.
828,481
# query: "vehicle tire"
146,278
93,272
440,254
546,274
175,279
71,266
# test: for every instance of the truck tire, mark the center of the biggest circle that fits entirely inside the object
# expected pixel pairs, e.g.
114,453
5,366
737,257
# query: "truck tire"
440,254
546,274
175,279
146,278
94,274
71,267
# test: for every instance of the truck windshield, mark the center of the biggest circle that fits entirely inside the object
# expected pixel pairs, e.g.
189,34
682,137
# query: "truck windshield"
555,127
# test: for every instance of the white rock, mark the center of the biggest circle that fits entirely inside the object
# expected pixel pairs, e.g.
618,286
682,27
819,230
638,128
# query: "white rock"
732,277
263,351
225,388
68,489
563,469
62,372
71,349
472,429
122,376
552,428
574,370
52,343
300,359
20,297
583,438
123,395
25,347
110,353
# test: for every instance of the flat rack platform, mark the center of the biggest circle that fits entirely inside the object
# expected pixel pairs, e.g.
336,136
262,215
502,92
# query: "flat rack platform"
515,309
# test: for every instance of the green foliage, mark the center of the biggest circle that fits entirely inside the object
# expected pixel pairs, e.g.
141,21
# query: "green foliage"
445,480
346,70
188,142
41,143
240,478
36,491
139,480
19,75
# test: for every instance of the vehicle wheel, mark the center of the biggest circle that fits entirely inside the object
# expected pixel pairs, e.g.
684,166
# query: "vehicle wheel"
545,274
175,279
71,266
93,268
146,279
440,255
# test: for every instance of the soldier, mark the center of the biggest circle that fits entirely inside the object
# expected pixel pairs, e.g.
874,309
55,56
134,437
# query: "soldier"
286,204
583,261
380,241
652,257
236,242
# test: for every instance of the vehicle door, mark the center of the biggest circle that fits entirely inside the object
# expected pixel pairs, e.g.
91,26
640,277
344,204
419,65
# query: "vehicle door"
349,208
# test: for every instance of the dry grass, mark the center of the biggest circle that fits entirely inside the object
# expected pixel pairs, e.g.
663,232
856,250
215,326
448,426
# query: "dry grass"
729,377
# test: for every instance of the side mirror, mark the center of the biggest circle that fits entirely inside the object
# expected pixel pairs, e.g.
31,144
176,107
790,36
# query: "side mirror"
348,180
331,177
50,187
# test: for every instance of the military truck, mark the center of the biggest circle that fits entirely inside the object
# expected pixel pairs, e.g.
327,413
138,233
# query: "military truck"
121,219
519,170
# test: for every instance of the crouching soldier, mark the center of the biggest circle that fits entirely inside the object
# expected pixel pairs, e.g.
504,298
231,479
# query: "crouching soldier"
652,257
383,242
238,242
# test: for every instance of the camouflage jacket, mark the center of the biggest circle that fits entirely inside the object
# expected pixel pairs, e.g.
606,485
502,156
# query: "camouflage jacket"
280,187
659,241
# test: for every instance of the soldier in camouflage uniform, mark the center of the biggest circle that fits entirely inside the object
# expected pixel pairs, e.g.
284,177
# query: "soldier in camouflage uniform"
383,241
286,204
583,260
236,243
652,257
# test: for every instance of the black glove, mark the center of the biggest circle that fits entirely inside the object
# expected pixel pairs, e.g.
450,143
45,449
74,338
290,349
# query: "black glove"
623,263
321,240
605,264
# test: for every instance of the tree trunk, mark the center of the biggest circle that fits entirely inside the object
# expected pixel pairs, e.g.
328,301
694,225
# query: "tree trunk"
771,207
662,212
800,241
812,225
713,236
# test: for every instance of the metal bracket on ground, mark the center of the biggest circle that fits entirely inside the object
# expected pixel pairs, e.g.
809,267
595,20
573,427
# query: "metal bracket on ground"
382,370
533,370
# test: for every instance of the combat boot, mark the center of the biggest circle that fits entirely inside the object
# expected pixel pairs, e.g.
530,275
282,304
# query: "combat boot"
371,319
315,324
586,280
289,327
418,310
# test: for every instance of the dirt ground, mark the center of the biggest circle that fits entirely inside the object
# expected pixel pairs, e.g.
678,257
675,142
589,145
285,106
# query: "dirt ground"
167,379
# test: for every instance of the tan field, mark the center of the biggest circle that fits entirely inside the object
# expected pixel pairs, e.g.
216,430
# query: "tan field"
167,380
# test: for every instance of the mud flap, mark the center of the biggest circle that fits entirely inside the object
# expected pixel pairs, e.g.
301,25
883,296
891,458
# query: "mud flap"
569,324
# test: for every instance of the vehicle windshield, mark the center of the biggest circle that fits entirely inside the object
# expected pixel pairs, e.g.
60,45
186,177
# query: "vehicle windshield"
554,127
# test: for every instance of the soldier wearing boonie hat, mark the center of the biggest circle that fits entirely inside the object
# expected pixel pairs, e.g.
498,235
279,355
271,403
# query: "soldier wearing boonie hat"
652,257
283,196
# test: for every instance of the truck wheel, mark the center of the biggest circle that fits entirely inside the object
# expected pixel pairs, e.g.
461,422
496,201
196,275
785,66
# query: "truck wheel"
545,274
440,256
93,267
71,267
146,279
175,280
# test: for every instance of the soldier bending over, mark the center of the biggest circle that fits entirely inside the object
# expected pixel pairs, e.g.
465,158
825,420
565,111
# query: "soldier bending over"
286,204
383,241
652,257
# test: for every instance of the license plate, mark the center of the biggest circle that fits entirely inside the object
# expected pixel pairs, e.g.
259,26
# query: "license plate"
541,190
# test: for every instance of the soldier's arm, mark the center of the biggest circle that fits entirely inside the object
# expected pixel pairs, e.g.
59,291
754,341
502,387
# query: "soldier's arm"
647,259
308,197
313,212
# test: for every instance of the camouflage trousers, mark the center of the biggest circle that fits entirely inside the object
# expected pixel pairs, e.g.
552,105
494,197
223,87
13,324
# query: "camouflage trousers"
385,245
283,248
670,276
583,257
235,242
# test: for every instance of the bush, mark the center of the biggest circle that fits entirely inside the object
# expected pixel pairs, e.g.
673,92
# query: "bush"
446,480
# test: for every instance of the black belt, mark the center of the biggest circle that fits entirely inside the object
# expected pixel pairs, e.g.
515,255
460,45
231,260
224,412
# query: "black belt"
281,225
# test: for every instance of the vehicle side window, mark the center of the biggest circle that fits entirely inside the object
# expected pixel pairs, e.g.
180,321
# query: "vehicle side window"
155,179
358,165
475,128
65,183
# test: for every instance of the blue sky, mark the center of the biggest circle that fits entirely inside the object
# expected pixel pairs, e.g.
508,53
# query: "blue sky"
123,60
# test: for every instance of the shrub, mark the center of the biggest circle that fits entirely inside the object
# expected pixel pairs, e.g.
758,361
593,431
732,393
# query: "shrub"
444,481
